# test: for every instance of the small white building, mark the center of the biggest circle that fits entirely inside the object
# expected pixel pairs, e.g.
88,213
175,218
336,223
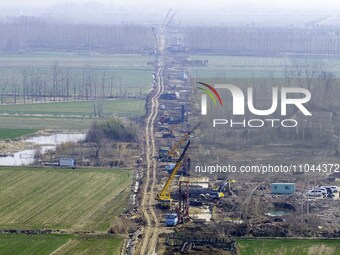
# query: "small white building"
66,162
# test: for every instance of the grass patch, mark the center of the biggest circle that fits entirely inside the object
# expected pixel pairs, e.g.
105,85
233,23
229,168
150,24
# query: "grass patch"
20,244
220,66
131,71
101,245
82,199
74,59
288,247
123,107
55,123
10,133
65,115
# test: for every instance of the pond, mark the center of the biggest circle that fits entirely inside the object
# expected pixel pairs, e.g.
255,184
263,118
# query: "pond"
48,143
277,212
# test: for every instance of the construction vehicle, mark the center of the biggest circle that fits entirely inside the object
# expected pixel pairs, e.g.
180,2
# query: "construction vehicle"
218,193
212,195
164,197
171,219
225,185
168,134
170,167
163,154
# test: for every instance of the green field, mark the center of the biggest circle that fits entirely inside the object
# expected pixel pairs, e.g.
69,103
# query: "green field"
130,71
82,199
11,133
81,124
288,247
27,81
74,59
121,107
71,115
20,244
102,245
257,67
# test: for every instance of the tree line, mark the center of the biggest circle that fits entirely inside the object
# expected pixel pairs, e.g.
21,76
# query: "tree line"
37,34
264,41
58,83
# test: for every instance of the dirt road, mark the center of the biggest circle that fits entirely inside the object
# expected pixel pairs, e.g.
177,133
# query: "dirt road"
150,236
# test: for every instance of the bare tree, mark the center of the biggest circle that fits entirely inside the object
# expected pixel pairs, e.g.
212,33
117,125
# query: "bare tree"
24,83
55,76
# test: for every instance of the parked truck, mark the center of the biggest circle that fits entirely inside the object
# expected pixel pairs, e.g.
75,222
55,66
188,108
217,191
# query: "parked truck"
171,219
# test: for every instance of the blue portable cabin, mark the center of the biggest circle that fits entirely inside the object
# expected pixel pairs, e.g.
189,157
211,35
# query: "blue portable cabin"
283,188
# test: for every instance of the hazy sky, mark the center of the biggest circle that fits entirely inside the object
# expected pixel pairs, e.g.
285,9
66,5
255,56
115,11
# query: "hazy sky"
210,4
231,12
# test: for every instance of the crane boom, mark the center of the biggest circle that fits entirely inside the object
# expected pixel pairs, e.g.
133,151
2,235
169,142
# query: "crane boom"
185,137
167,15
169,21
164,196
155,35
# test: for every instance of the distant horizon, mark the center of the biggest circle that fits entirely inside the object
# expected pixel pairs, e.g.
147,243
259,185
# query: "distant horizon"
189,4
245,12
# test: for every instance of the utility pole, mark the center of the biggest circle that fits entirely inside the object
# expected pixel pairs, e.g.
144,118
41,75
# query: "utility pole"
307,197
120,87
301,209
338,152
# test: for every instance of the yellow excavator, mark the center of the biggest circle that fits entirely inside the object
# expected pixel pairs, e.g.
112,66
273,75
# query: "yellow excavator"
219,191
164,197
